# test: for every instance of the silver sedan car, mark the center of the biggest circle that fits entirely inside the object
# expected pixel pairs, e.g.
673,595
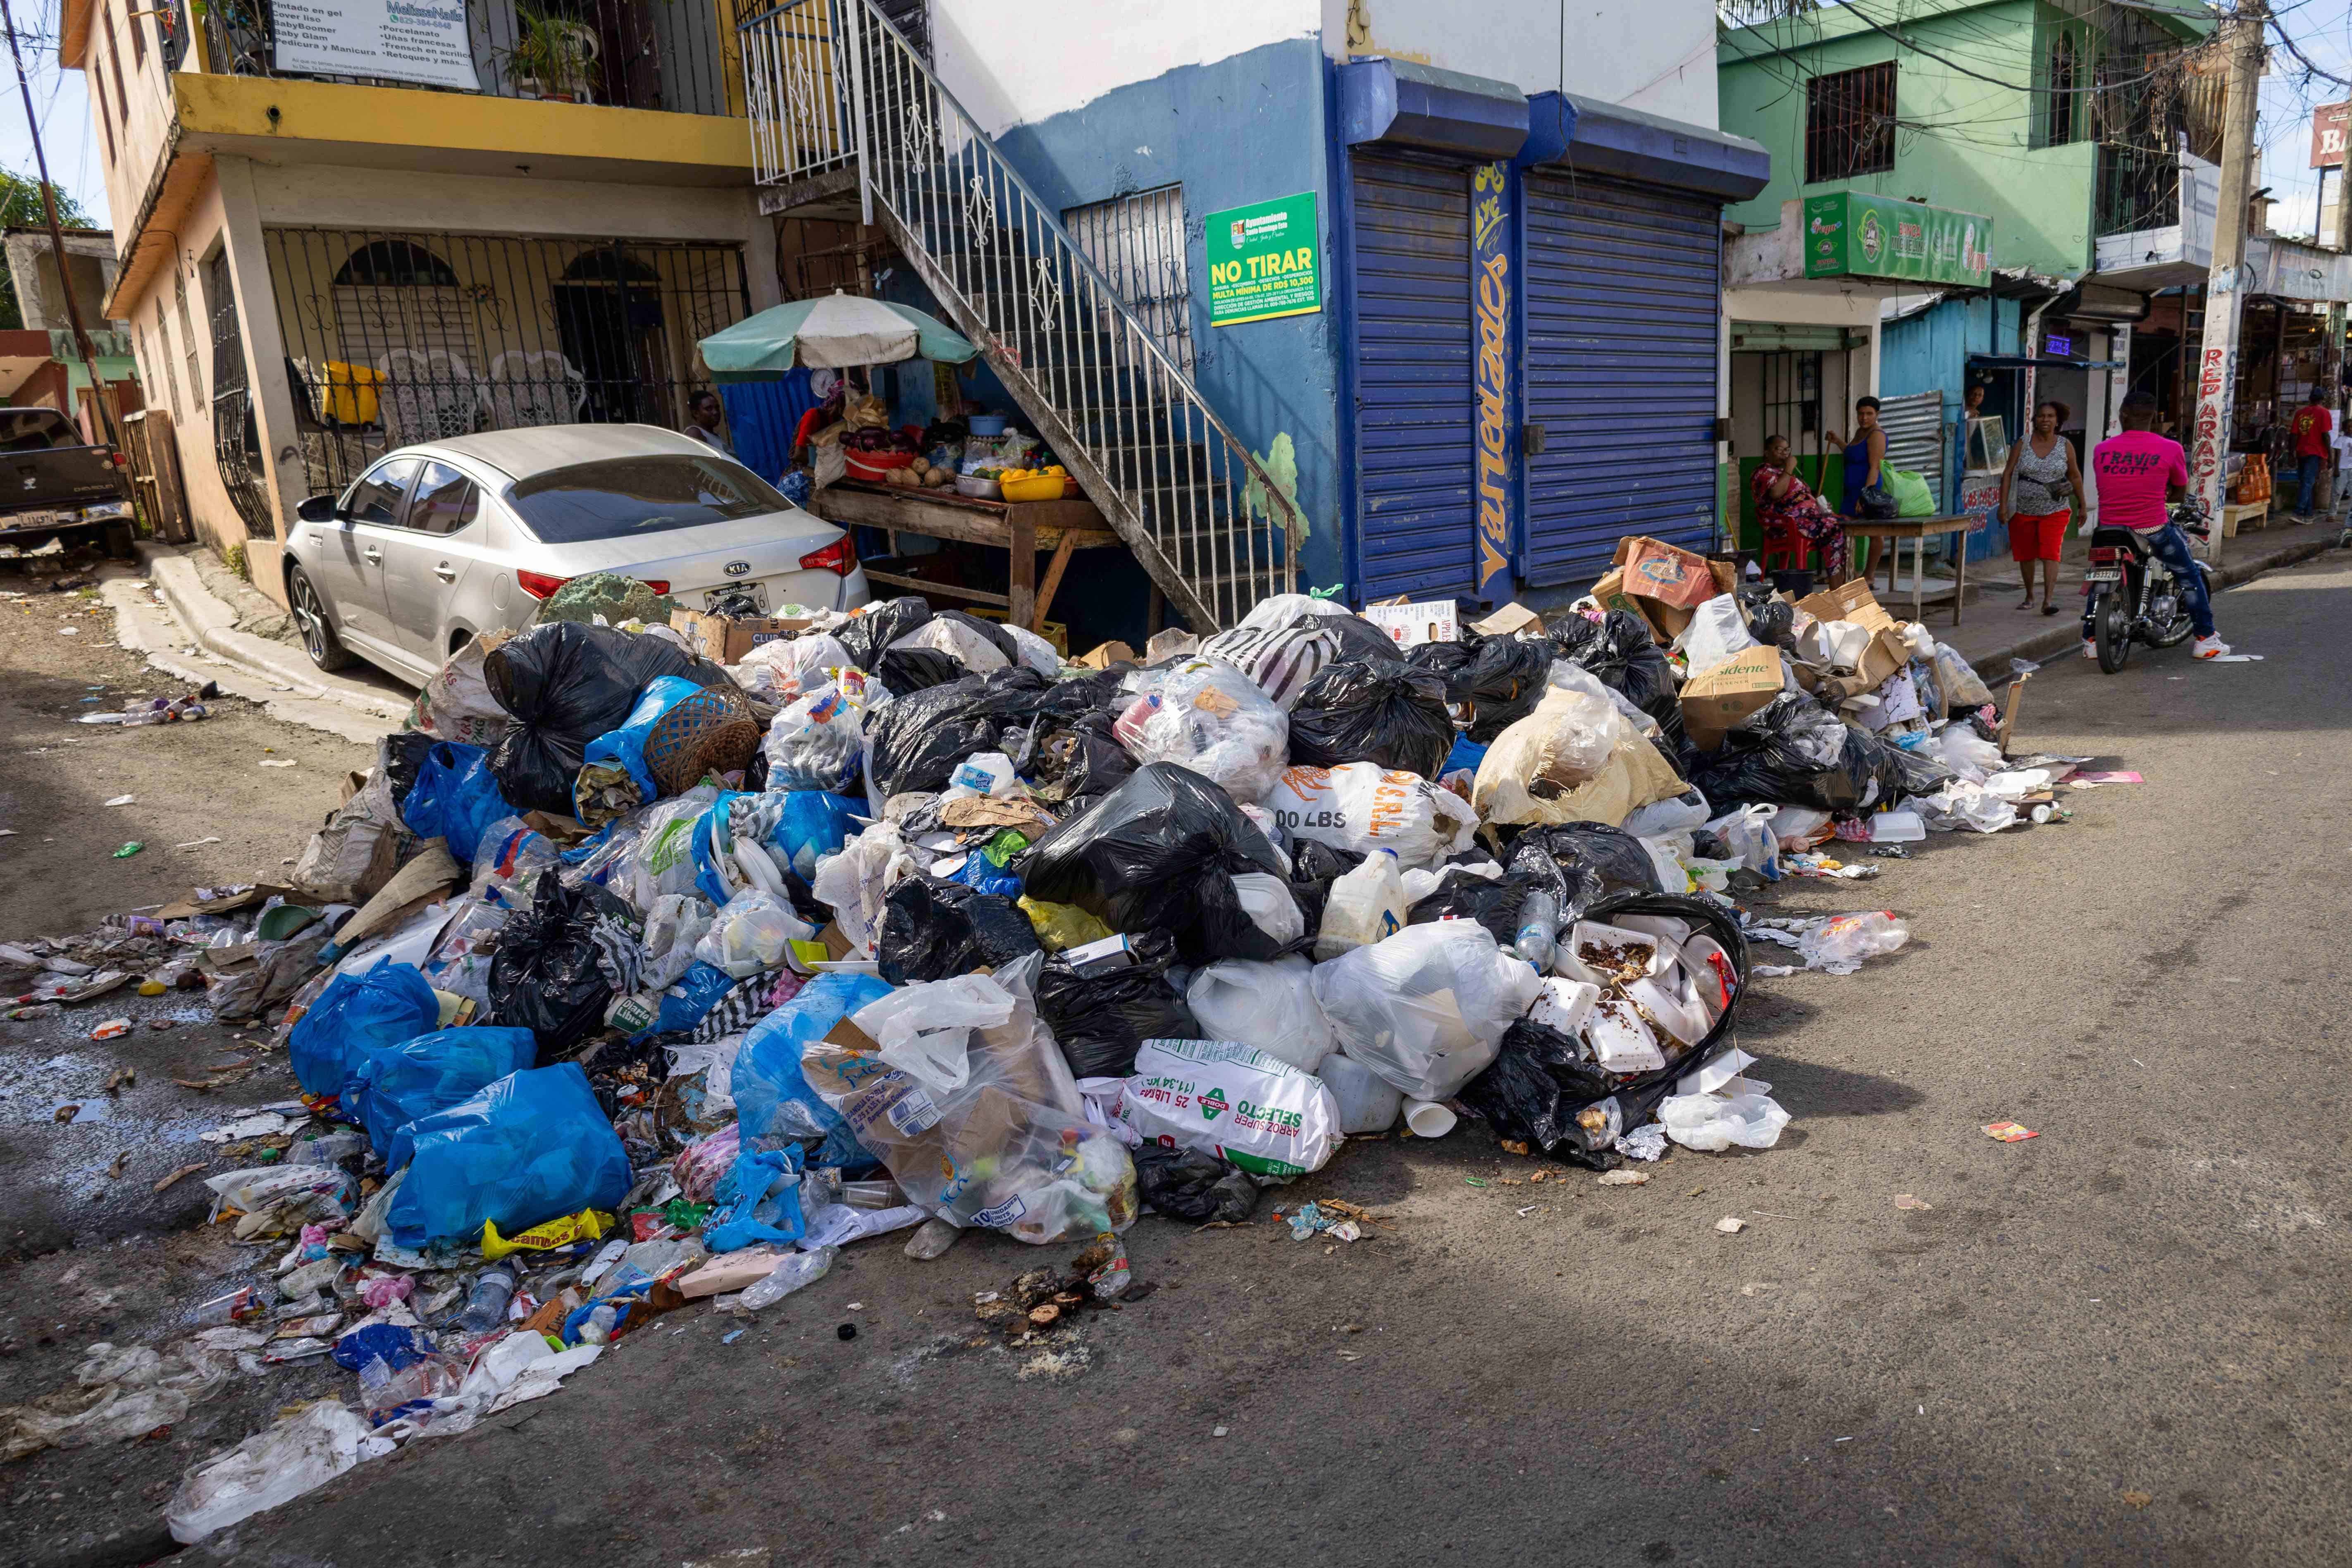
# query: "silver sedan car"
441,539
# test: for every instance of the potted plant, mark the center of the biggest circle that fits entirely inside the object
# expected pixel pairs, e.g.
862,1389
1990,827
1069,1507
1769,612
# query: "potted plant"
554,57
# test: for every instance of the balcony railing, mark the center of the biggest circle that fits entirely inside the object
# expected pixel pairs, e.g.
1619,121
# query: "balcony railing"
2140,188
632,54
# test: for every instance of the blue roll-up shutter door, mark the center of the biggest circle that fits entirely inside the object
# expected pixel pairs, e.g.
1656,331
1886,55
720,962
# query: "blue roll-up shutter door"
1416,517
1623,296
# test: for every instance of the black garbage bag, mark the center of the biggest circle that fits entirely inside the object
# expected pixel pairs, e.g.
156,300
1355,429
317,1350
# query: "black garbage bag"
1544,1089
1794,751
549,974
935,929
1076,759
1101,1019
1158,853
565,683
916,741
1771,618
906,669
402,758
1194,1185
1359,711
866,635
1595,863
1492,902
1491,683
1622,654
1314,867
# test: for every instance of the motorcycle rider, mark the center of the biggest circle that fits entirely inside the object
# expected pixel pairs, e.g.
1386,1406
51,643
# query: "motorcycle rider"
2138,472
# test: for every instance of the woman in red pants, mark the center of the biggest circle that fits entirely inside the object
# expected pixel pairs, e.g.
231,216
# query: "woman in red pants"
2037,499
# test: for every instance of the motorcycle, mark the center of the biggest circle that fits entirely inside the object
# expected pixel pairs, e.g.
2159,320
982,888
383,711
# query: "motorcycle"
2133,595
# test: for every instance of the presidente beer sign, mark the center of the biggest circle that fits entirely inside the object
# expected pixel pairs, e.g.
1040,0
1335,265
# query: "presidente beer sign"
1854,235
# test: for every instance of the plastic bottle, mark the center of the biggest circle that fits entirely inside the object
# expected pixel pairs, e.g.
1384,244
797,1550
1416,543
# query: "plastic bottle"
598,1329
486,1309
1538,929
800,1269
1365,905
232,1308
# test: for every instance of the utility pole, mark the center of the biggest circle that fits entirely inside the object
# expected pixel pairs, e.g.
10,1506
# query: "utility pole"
2225,288
57,241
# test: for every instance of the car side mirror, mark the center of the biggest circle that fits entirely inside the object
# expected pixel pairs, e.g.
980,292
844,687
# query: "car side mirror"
316,508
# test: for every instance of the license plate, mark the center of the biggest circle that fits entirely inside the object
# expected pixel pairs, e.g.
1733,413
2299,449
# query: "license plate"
736,593
2106,574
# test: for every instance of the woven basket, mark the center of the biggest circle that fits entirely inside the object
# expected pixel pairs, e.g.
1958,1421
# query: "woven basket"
711,732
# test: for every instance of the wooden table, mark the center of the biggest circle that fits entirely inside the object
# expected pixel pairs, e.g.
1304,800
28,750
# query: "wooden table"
1917,529
1021,528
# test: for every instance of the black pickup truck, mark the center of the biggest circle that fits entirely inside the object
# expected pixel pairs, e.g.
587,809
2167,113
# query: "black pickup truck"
55,485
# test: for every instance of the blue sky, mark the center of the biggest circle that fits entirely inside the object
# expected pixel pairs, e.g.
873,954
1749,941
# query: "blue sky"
58,98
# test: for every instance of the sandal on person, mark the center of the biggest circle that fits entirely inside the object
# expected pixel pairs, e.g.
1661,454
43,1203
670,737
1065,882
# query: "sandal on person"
2049,609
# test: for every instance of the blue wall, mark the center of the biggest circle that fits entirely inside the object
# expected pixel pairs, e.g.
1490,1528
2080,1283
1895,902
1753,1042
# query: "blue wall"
1929,353
1237,131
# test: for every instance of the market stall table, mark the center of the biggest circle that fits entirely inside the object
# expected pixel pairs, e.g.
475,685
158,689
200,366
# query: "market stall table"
1918,530
1020,528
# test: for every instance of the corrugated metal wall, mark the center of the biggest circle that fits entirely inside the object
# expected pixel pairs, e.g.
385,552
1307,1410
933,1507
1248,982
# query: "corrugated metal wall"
1417,516
1623,289
1915,436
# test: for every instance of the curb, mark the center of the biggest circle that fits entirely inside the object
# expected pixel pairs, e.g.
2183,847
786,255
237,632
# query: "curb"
2059,638
212,625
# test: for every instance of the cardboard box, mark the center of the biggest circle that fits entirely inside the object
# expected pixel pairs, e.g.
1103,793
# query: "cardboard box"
725,640
1888,651
1105,655
1672,575
1715,699
1508,621
1412,624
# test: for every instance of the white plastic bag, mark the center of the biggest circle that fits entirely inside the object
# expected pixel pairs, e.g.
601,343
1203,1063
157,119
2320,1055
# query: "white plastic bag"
1967,753
751,933
1265,899
819,743
1363,806
302,1452
1365,905
1962,686
358,849
1212,719
674,926
787,668
1426,1008
1035,651
967,646
1961,804
1741,1112
1746,833
925,1029
1270,1008
1225,1098
662,860
1717,630
856,883
1679,814
1839,944
457,704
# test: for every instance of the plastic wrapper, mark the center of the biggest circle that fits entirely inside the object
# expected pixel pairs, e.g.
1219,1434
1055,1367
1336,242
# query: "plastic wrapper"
455,798
1010,1149
1619,650
1099,1020
1228,1099
1213,720
916,741
1390,714
818,742
1426,1008
1362,806
757,1201
1543,770
508,860
460,962
1741,1112
1545,1089
674,924
528,1148
880,624
933,929
1839,944
354,1016
1146,857
565,683
545,976
302,1453
1270,1008
1491,683
397,1084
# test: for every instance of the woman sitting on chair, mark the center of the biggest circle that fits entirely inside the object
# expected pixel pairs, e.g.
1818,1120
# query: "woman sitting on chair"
1784,507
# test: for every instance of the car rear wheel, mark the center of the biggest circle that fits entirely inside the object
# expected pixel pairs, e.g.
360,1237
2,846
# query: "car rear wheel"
318,639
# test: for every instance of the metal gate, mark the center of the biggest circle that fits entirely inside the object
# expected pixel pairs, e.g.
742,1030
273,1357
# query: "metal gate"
1416,507
1624,295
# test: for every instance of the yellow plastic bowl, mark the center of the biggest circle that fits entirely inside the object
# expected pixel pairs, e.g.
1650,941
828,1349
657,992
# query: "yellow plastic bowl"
1049,488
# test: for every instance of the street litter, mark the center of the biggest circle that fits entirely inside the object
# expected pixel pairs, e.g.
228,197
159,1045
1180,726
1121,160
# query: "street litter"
124,800
2008,1132
626,979
1906,1201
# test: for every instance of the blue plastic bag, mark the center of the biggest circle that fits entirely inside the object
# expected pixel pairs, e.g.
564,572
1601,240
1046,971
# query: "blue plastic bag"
706,849
454,798
1466,754
684,1005
759,1200
816,824
772,1101
355,1016
626,745
532,1147
397,1084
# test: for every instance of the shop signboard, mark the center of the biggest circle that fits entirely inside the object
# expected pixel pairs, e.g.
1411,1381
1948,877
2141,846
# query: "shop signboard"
390,41
1853,234
1490,305
1265,260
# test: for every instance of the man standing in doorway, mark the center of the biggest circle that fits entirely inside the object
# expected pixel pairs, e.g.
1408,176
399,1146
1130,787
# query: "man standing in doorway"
2309,430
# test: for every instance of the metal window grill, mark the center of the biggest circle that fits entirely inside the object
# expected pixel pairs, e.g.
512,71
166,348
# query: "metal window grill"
2065,91
1137,241
1792,399
1850,124
634,54
394,338
237,439
188,334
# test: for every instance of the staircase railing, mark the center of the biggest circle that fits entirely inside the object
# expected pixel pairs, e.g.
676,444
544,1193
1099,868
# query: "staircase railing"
1216,532
796,91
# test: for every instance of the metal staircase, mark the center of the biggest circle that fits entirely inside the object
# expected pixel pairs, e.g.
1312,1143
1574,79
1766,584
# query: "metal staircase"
832,87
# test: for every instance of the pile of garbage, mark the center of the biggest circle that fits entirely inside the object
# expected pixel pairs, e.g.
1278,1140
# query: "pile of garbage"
626,979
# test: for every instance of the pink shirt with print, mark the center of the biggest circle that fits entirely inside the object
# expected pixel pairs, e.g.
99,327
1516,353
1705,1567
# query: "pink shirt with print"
2132,470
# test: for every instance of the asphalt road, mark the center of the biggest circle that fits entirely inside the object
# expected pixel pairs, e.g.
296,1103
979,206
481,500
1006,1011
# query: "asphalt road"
2122,1341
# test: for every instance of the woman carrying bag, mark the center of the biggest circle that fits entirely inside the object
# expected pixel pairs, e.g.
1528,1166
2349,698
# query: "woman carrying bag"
2037,500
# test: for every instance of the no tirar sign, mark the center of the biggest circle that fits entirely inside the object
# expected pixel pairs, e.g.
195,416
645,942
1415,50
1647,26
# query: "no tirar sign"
1265,260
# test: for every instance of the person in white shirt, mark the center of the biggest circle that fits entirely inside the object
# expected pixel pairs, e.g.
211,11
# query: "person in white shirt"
703,417
2341,443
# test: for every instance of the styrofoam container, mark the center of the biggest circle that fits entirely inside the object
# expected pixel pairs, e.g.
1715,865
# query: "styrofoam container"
1597,934
1621,1042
